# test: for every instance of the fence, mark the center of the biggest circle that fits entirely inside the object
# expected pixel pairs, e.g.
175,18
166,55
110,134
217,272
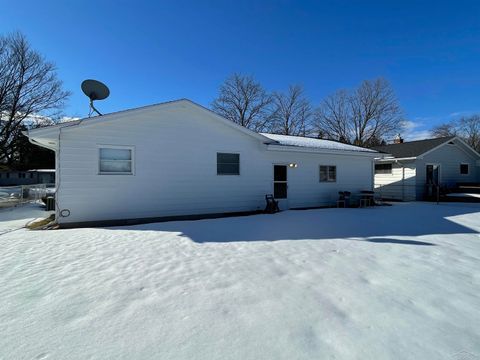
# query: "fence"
15,195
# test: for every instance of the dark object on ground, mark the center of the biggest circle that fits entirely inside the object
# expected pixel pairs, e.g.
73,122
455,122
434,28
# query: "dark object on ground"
367,198
344,199
272,204
50,203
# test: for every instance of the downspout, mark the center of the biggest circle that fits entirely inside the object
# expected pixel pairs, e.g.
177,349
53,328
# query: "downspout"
403,178
57,177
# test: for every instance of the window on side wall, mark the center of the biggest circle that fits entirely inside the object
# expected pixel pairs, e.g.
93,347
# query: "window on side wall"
464,169
328,173
383,168
115,160
228,164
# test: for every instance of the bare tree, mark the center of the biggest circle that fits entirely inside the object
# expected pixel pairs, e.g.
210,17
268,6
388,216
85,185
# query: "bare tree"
244,101
363,117
28,87
467,128
444,130
333,118
291,112
470,130
375,112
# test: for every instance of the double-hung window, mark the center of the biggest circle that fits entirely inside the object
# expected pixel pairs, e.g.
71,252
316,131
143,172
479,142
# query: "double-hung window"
116,160
228,164
464,169
328,173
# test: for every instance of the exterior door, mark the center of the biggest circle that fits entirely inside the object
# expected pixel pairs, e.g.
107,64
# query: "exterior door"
280,185
433,174
432,180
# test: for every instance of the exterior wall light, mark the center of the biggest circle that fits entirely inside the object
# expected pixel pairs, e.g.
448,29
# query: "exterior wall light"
293,165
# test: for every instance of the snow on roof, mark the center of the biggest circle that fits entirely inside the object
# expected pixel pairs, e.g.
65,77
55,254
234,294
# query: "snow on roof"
300,141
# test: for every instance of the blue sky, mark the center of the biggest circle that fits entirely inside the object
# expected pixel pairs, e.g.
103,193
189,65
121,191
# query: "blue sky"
149,52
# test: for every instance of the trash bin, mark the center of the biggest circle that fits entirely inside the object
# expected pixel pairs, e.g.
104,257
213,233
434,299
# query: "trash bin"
347,198
50,203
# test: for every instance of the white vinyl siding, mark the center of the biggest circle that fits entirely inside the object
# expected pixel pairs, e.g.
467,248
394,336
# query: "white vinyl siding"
449,157
399,183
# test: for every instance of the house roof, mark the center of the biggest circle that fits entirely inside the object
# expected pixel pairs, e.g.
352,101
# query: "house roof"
306,142
47,136
413,148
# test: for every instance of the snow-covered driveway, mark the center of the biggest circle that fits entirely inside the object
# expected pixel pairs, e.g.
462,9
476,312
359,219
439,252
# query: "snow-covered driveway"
399,282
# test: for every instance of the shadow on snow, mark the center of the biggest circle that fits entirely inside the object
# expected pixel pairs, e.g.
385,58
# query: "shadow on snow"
376,225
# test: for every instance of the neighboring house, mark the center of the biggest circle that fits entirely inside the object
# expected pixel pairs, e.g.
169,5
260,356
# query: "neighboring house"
415,167
27,177
179,158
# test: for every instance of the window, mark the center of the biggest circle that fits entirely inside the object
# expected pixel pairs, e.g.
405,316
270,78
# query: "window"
228,164
383,168
328,173
116,160
464,169
31,175
21,175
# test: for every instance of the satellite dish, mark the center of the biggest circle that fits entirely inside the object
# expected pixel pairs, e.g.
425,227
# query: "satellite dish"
95,90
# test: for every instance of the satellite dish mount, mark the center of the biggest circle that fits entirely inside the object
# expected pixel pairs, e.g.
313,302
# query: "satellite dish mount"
95,90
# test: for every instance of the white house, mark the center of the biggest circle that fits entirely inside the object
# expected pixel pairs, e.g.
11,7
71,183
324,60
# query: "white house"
179,158
415,167
27,177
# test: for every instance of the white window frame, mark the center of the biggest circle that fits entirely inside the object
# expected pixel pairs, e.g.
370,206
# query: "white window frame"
468,169
119,147
328,174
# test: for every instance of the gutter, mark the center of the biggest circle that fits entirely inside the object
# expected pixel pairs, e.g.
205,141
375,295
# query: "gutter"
35,142
286,148
397,159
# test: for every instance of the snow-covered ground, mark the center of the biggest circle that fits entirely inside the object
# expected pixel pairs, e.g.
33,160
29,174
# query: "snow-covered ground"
473,195
399,282
16,217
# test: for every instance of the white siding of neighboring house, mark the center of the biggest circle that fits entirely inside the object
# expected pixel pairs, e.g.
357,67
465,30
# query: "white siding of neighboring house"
400,184
449,157
176,169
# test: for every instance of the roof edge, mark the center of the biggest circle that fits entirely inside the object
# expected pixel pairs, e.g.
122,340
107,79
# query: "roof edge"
120,114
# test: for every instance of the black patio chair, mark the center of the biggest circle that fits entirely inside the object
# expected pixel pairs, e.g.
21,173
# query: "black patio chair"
272,204
344,199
